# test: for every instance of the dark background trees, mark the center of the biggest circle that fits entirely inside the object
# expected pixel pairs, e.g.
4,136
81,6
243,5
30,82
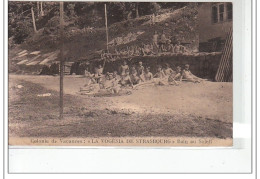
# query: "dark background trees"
79,14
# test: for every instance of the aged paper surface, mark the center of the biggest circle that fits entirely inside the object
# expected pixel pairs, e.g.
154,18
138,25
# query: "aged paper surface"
120,73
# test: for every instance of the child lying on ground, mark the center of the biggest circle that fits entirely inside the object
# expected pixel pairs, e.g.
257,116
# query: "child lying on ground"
91,89
186,74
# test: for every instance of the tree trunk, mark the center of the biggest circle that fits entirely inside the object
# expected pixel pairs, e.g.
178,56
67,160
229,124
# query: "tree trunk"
136,10
42,13
38,9
33,19
129,15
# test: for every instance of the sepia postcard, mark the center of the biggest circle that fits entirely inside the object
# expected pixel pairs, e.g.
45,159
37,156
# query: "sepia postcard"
120,73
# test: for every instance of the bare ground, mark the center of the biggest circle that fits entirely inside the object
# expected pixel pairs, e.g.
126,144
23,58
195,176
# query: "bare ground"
191,110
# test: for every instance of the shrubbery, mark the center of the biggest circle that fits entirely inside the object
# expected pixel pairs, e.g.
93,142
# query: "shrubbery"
21,31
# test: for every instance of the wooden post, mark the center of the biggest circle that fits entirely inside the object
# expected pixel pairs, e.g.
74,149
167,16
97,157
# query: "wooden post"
106,33
61,58
33,19
106,26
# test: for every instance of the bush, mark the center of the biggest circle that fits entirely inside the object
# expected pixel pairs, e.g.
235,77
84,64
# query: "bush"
22,31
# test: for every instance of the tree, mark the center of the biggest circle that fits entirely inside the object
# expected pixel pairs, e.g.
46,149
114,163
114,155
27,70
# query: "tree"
136,10
42,12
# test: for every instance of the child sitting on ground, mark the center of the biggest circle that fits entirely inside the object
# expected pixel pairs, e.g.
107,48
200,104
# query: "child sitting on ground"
175,76
98,73
89,77
178,48
135,77
167,70
160,73
148,76
160,78
116,76
140,71
123,68
126,79
169,47
109,85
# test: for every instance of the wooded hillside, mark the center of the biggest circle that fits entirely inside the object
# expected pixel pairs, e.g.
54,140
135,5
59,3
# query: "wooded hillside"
129,24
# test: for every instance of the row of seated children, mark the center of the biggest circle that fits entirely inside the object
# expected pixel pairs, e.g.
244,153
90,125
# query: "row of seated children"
125,77
167,47
157,47
164,44
163,75
145,50
130,77
173,77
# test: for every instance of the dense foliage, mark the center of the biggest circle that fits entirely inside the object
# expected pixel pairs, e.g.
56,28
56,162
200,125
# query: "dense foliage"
79,14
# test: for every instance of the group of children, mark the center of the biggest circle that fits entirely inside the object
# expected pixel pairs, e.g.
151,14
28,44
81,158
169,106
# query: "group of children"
163,44
135,76
160,44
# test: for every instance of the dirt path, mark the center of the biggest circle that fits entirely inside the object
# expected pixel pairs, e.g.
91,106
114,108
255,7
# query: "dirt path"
208,100
172,111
